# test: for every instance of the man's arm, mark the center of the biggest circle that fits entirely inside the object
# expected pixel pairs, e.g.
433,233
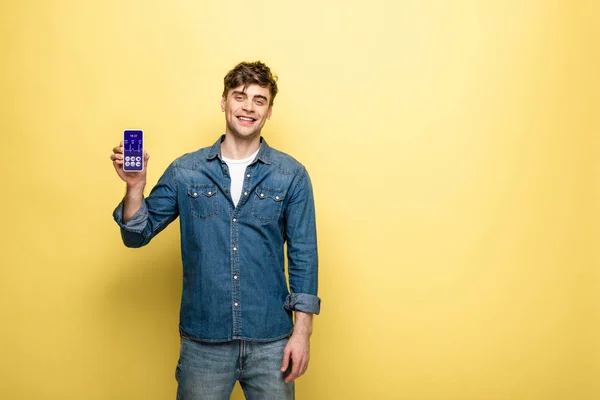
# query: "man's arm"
135,183
301,240
141,218
134,196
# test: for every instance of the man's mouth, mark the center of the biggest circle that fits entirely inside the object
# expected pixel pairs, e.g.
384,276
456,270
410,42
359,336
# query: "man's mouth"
246,119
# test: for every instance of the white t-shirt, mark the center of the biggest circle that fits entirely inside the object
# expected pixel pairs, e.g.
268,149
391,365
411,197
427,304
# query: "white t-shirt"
237,168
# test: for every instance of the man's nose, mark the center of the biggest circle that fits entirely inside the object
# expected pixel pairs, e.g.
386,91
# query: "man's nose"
248,105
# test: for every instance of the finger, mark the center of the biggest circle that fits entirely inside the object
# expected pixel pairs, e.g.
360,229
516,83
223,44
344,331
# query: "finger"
118,167
303,367
286,359
294,374
146,155
302,364
116,156
118,149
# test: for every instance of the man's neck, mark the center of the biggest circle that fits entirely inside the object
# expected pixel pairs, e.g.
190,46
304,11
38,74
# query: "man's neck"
237,149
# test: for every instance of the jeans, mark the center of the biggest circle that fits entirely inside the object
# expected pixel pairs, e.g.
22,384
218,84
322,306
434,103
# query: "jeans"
208,371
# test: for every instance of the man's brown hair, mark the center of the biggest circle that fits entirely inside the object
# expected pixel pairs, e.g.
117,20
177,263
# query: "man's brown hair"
248,73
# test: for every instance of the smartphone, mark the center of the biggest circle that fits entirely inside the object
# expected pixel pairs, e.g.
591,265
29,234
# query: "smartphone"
133,154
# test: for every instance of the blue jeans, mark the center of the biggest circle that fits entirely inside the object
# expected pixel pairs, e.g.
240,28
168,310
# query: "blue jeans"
208,371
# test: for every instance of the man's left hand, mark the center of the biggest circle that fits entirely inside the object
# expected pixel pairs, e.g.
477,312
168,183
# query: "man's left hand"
296,352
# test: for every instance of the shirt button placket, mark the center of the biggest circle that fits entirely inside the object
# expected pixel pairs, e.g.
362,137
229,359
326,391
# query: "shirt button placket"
237,317
236,301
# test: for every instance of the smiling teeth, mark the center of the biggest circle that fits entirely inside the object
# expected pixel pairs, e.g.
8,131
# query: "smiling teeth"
246,118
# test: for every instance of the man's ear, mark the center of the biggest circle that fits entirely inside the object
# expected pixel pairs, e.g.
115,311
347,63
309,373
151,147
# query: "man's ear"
223,104
269,112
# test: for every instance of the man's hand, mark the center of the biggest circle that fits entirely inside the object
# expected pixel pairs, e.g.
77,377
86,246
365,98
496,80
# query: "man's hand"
297,350
136,182
132,179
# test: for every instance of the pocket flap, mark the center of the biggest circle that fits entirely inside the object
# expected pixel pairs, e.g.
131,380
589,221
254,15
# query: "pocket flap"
201,190
273,194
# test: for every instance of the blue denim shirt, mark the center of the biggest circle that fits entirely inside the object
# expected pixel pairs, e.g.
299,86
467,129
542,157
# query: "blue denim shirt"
234,282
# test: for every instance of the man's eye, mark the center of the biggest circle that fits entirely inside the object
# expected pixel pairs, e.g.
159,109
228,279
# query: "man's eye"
260,103
239,98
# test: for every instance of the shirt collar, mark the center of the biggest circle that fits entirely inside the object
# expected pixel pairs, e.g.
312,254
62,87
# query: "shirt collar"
264,153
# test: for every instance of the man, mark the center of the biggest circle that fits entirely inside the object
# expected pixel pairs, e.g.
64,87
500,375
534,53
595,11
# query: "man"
239,202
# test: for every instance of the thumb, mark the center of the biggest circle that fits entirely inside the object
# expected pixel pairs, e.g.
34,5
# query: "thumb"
286,359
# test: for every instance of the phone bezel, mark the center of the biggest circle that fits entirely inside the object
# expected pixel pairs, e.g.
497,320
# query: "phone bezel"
143,143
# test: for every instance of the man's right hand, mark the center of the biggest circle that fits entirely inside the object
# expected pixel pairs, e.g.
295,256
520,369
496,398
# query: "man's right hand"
136,182
132,179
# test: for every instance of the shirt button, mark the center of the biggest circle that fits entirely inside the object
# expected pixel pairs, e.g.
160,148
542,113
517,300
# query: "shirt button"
276,197
235,249
248,175
245,193
235,304
227,191
262,195
195,194
235,277
234,220
209,193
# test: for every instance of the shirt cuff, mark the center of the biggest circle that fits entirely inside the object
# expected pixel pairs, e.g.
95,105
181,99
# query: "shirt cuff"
137,223
303,302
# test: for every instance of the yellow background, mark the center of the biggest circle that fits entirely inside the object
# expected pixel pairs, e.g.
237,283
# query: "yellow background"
453,148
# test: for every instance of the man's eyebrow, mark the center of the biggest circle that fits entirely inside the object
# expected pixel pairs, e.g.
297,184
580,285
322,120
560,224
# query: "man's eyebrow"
260,96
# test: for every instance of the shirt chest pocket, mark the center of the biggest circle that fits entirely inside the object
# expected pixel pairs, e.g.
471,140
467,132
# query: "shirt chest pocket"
267,204
203,201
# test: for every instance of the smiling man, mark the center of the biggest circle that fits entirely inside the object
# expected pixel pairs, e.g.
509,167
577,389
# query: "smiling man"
239,201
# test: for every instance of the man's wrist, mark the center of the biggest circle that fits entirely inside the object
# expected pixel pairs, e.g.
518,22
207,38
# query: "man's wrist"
303,333
303,324
135,189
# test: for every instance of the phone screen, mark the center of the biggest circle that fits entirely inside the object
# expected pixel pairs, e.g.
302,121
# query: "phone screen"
133,157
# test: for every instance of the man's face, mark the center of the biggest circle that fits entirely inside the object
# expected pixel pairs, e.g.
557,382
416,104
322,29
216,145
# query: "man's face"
246,111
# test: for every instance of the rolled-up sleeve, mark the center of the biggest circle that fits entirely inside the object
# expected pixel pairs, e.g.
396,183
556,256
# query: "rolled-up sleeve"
157,211
301,237
303,302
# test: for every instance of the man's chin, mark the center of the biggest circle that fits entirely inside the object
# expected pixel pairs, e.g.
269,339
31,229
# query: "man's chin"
244,134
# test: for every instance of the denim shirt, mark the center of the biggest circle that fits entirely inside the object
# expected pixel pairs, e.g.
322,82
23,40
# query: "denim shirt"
234,282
